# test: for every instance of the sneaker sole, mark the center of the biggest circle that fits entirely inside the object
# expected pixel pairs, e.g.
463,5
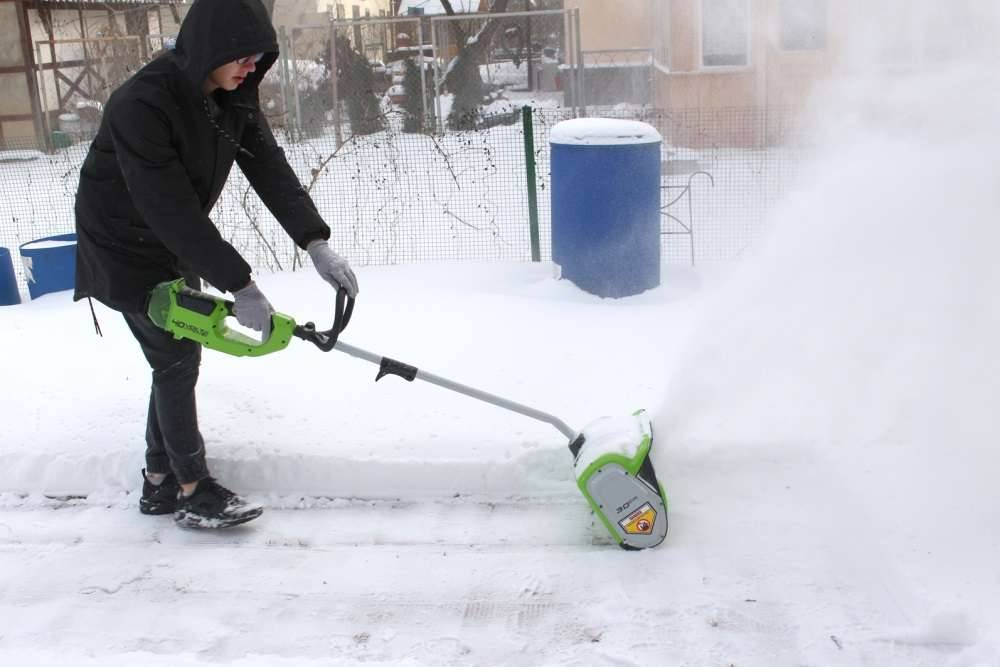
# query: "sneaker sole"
185,520
156,509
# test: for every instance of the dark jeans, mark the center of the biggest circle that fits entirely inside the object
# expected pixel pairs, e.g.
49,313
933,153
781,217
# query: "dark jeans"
173,441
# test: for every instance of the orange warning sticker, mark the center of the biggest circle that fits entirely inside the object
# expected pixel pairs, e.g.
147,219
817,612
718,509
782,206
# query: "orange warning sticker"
639,522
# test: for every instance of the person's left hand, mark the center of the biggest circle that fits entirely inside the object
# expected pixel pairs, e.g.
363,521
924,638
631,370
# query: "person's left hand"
332,268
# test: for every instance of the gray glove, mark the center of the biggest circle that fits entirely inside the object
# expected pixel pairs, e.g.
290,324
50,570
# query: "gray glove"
253,310
332,267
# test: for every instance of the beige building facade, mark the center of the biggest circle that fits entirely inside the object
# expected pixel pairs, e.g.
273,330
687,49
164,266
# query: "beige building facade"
719,53
743,53
772,53
18,110
620,24
353,9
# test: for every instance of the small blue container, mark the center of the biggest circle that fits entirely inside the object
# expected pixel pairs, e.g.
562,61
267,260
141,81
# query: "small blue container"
50,264
9,295
606,205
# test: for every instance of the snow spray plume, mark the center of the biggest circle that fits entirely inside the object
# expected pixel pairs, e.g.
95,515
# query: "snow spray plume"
867,316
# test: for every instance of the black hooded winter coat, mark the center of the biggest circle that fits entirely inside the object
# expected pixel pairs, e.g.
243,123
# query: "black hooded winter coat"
162,156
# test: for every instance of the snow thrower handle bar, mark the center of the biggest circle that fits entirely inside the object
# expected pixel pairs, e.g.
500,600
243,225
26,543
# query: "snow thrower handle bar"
194,315
326,340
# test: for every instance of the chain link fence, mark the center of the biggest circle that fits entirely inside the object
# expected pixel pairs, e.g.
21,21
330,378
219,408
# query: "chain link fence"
610,77
76,77
487,60
395,197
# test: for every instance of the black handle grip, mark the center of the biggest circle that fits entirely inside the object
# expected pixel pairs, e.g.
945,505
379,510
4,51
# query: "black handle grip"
327,340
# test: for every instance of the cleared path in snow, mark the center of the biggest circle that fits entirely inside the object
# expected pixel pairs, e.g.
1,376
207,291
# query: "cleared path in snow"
744,578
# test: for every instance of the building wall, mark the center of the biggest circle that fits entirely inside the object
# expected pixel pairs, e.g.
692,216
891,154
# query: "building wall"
775,75
10,45
614,25
290,13
306,21
432,7
345,8
15,98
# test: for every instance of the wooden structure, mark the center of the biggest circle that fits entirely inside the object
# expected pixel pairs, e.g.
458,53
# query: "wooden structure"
56,51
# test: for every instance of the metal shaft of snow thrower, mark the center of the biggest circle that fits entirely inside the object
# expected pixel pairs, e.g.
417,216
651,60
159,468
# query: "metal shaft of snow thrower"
389,366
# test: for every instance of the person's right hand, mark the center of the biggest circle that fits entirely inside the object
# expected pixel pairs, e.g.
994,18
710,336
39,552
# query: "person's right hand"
253,310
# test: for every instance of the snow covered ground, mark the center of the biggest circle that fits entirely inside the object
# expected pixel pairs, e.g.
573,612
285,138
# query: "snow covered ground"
406,524
410,526
825,428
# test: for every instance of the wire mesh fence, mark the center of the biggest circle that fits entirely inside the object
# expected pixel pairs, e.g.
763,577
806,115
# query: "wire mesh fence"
394,197
722,170
76,77
610,77
487,59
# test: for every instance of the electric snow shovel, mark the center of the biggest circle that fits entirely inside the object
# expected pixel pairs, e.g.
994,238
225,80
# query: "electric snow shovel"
611,455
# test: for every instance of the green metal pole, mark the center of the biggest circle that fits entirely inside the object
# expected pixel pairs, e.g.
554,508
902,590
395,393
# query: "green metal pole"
529,161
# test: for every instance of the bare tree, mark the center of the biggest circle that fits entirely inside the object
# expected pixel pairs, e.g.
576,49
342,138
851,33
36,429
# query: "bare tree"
462,77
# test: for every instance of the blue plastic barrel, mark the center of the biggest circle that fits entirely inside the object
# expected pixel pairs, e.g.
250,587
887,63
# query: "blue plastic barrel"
50,264
9,294
606,205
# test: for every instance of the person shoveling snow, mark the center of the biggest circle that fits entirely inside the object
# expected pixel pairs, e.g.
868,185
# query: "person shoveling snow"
167,141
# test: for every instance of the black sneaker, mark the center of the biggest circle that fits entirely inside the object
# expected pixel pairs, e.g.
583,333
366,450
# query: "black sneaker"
214,506
159,498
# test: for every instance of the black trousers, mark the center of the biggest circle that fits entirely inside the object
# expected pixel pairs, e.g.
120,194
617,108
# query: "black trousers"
173,441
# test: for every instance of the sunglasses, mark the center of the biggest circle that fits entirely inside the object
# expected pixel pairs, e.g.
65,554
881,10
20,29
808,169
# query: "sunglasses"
246,60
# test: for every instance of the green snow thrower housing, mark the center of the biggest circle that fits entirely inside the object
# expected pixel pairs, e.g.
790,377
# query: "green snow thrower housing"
611,455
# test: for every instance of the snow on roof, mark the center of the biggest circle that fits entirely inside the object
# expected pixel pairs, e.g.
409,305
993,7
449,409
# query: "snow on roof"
434,6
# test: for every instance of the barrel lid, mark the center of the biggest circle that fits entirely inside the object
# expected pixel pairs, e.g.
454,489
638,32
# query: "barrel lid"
603,132
60,241
46,245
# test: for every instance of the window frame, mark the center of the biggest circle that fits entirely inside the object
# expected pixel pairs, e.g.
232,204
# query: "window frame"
701,41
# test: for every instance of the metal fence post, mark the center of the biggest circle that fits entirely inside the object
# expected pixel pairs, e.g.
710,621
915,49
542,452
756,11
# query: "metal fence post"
569,61
581,75
295,86
285,76
338,135
423,75
529,161
44,115
438,77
